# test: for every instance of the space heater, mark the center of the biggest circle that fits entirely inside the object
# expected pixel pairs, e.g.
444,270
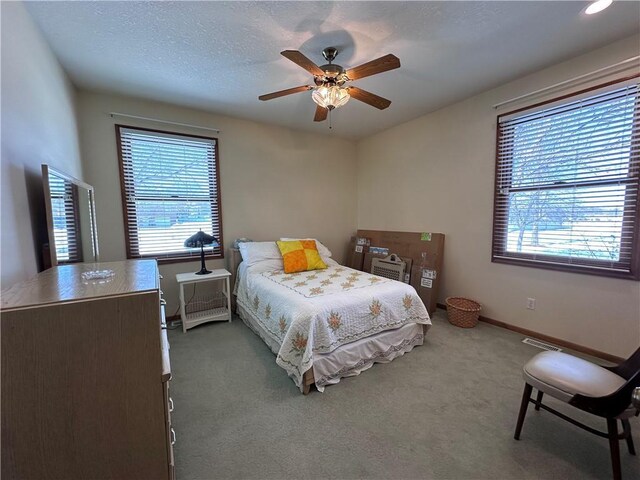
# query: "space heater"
392,267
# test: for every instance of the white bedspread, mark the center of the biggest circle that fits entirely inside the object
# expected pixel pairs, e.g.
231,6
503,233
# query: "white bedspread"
318,311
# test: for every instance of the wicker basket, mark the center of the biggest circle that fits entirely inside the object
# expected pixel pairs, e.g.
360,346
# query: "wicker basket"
463,312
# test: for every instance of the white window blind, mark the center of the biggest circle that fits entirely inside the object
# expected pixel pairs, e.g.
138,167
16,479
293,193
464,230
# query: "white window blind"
567,181
66,229
171,190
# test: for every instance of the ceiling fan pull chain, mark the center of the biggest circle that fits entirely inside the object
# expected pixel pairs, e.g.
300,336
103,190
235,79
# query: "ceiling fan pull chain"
330,127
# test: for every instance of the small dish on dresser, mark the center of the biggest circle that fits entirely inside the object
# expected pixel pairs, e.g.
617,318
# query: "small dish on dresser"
97,276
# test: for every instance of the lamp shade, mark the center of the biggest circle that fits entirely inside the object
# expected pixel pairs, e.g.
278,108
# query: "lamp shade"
330,97
200,239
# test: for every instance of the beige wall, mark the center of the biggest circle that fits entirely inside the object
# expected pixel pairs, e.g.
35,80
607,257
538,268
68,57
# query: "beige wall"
436,173
38,126
274,181
279,182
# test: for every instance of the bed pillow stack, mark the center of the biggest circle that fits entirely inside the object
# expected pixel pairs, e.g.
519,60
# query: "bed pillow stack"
300,256
256,252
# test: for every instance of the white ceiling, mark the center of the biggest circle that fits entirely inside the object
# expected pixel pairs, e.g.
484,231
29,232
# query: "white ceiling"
220,56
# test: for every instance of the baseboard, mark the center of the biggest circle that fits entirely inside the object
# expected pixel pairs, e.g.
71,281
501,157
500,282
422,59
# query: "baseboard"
546,338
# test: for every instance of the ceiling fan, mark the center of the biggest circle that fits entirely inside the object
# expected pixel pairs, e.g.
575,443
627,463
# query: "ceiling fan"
330,91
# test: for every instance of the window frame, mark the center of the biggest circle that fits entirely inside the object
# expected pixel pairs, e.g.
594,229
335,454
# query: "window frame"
189,256
555,262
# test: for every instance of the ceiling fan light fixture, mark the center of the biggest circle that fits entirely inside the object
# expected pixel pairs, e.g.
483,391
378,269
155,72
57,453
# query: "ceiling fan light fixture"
330,97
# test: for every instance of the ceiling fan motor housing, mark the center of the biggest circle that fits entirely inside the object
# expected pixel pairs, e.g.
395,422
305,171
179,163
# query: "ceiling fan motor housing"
330,53
333,74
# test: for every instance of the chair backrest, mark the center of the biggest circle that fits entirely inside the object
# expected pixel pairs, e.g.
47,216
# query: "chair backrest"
629,367
614,404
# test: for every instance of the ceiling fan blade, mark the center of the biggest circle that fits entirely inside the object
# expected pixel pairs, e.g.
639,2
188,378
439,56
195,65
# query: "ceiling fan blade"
321,114
282,93
369,98
379,65
298,58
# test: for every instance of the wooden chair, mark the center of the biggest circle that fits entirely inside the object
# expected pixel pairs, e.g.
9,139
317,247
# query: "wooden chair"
608,392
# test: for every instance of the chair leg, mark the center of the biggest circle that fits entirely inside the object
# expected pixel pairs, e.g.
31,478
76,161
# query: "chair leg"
614,446
526,395
626,428
539,400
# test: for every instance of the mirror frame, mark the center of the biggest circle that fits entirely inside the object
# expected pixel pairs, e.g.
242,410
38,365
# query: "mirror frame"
46,170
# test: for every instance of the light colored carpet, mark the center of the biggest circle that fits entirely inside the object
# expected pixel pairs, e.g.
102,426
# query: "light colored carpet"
445,410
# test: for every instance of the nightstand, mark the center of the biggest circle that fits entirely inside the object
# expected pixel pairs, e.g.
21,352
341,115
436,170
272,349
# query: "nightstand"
215,308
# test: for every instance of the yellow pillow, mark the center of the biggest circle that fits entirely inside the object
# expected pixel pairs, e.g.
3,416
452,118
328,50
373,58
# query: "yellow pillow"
300,256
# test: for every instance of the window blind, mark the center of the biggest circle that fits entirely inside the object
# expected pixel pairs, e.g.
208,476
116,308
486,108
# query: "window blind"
66,227
171,190
567,181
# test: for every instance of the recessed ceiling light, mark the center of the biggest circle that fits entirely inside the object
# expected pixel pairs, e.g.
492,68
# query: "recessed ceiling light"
597,6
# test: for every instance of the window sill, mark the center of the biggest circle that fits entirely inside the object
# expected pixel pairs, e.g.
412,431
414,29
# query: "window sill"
586,270
181,259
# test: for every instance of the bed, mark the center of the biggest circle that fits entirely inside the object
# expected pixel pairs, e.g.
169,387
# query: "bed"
324,325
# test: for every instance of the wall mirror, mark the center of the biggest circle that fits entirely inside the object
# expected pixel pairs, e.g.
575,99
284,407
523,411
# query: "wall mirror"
71,220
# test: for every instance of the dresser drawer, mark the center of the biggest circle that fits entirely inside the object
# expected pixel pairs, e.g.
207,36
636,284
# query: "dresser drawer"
171,434
172,441
166,363
168,401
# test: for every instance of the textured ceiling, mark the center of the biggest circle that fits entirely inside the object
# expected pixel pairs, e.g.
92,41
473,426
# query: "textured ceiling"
220,56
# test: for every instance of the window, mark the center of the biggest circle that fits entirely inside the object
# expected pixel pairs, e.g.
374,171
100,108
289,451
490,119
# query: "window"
170,190
567,181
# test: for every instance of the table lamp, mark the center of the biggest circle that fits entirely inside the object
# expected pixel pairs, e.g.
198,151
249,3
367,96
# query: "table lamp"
201,239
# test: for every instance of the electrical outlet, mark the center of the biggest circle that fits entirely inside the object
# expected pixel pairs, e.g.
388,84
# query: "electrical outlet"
531,303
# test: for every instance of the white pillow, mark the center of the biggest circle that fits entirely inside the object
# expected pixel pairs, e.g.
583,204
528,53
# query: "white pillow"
322,250
267,266
254,252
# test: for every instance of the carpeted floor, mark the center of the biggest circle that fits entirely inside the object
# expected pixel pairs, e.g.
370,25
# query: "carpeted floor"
445,410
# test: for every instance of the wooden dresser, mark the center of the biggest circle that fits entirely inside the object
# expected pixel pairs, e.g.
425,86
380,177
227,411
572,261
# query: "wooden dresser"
85,376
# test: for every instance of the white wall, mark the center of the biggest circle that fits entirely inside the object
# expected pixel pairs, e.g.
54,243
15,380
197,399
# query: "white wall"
442,166
38,126
274,181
